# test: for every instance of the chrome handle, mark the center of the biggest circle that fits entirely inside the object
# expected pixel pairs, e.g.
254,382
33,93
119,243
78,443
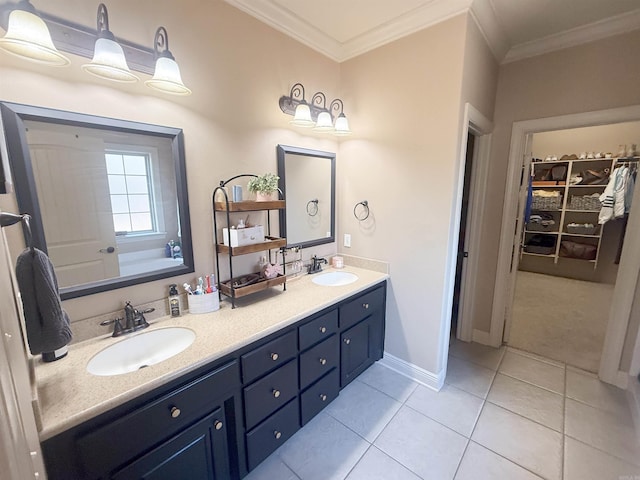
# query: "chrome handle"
217,425
347,341
274,356
323,361
323,329
365,306
323,397
175,412
277,434
276,393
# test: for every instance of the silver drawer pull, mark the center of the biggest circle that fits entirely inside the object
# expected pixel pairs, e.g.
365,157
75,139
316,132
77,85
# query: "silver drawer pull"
274,356
323,361
323,397
277,434
276,393
217,425
365,306
323,329
175,412
347,341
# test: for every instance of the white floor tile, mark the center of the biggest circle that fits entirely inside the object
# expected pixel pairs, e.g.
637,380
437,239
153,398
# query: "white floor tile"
483,355
529,444
604,430
533,402
376,465
323,450
582,462
388,381
469,377
450,406
533,371
588,389
479,463
427,448
272,467
363,409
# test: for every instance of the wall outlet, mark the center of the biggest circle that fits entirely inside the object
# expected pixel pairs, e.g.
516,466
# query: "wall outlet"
347,240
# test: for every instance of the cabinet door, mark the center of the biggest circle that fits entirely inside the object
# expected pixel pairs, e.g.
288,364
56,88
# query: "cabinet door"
200,451
360,346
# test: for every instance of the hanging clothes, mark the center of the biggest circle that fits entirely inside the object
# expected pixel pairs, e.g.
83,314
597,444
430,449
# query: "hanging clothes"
613,197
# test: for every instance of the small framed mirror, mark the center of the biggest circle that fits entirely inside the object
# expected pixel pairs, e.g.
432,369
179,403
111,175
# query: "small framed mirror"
107,197
307,181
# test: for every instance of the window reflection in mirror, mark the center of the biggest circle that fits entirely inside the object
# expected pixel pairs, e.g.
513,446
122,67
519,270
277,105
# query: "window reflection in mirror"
107,196
307,179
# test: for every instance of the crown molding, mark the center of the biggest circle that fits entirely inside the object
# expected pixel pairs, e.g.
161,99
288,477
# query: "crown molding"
608,27
485,17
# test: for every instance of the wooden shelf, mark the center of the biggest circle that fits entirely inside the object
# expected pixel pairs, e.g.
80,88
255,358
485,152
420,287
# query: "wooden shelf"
271,243
555,232
260,285
249,206
549,255
548,183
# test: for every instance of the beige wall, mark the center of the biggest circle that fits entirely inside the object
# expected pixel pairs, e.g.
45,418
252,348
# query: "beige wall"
237,68
594,76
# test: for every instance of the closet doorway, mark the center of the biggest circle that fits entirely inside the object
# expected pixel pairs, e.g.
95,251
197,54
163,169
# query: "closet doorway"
567,262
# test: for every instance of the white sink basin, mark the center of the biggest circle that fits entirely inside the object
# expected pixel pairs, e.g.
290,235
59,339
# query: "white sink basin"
140,351
334,279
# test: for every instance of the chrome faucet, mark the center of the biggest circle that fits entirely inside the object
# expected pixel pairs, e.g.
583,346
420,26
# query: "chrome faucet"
316,264
134,320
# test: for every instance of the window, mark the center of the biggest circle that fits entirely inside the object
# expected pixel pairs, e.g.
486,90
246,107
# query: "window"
130,190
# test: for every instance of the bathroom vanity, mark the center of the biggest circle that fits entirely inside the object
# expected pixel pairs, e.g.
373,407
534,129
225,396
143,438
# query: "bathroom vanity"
218,417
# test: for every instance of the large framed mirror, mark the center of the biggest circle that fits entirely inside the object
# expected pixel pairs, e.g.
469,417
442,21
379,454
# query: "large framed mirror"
107,197
307,181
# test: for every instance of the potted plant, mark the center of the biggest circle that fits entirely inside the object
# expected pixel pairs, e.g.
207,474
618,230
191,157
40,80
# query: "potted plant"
264,186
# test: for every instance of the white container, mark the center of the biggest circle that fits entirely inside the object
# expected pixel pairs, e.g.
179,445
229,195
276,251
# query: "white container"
243,236
209,302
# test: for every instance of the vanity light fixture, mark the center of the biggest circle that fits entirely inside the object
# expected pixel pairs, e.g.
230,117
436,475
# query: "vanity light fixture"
108,58
28,37
167,77
316,114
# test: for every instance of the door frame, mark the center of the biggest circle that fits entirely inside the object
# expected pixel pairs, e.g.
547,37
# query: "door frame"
475,123
628,272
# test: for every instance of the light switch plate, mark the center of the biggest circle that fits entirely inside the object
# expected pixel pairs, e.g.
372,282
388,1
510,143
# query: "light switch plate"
347,240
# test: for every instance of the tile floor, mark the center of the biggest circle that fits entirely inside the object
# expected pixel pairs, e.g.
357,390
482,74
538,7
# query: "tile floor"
502,414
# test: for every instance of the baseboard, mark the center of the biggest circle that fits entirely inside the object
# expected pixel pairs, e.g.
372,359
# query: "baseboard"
482,337
634,401
415,373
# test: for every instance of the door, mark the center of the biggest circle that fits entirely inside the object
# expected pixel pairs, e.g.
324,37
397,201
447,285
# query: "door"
81,244
360,346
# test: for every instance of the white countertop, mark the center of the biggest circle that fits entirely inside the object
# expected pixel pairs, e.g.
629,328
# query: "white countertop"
68,395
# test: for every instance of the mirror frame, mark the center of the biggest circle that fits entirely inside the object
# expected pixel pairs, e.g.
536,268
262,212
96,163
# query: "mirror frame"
13,117
282,151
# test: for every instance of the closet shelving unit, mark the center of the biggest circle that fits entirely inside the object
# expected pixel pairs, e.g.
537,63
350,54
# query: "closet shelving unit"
566,214
224,208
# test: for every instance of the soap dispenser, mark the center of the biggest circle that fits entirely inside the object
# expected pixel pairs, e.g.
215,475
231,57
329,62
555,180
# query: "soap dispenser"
174,301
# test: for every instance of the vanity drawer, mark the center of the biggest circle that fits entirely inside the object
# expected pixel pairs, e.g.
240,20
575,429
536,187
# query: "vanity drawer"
317,329
361,307
318,360
270,393
273,432
153,423
319,395
267,357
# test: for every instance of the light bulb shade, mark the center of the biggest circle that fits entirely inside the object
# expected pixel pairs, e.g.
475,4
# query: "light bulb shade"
167,78
28,37
342,126
302,117
109,62
324,123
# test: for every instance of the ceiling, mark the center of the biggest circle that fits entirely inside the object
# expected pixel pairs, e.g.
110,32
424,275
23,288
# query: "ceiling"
514,29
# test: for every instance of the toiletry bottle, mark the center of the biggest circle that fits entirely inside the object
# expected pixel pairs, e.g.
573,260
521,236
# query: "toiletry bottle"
174,301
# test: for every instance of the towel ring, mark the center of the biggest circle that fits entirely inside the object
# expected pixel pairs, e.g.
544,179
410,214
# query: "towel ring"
312,207
365,212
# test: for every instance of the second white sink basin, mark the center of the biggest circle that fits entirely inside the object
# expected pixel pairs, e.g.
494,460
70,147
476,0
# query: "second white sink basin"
334,279
140,351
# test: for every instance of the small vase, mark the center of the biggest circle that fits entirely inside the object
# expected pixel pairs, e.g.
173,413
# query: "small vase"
266,197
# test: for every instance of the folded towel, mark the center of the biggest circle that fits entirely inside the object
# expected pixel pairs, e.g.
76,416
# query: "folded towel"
47,323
